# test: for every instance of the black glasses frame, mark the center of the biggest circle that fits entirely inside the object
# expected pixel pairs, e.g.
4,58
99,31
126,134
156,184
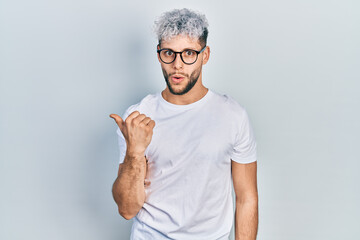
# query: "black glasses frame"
197,55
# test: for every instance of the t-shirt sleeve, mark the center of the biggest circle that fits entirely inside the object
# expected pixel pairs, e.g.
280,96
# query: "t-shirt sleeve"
121,139
122,145
244,148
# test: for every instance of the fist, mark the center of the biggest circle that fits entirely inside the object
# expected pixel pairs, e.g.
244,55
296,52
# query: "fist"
137,130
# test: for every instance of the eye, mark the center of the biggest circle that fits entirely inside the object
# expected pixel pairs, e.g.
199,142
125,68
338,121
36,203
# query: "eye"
189,53
168,52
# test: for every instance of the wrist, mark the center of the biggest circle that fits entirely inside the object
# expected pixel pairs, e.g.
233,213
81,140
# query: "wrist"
132,153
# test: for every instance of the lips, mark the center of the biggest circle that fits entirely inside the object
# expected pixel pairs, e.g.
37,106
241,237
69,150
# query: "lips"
177,78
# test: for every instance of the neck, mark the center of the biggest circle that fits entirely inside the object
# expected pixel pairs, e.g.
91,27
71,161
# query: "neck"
195,94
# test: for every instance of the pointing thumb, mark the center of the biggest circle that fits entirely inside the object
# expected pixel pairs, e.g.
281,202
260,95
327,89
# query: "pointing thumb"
118,120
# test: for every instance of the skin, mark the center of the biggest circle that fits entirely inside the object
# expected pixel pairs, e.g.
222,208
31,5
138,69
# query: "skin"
179,43
246,212
129,186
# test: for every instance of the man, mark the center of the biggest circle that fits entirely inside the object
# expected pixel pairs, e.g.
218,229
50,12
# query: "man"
180,149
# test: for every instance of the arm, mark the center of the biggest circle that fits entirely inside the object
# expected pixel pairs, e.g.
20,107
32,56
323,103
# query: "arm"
246,213
128,189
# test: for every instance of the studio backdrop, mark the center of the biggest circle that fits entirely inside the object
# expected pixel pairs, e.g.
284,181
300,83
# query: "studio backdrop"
66,65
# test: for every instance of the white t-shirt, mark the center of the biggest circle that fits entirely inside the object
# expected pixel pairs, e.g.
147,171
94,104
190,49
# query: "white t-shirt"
190,167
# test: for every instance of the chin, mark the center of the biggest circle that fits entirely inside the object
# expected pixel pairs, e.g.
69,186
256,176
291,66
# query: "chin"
183,87
177,91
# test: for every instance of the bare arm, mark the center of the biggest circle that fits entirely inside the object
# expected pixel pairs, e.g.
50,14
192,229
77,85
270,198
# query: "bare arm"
246,213
128,189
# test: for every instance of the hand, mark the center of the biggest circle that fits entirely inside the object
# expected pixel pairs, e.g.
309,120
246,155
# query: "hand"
137,130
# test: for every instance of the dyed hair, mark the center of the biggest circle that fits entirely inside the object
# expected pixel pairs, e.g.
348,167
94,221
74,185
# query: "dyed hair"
182,22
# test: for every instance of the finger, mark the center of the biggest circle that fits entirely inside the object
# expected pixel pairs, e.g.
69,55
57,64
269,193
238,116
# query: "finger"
146,121
151,124
118,120
131,116
139,118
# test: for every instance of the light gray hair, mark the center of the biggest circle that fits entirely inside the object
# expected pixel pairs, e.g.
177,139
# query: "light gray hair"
181,22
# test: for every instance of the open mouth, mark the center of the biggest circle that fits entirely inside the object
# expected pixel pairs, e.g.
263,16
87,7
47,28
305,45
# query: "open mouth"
177,78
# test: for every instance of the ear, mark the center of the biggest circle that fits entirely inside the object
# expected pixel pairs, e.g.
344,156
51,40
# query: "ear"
158,48
206,55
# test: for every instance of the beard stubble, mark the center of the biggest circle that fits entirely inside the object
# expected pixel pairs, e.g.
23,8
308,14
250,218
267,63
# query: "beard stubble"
192,81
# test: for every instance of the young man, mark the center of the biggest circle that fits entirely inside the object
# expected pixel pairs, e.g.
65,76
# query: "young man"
180,149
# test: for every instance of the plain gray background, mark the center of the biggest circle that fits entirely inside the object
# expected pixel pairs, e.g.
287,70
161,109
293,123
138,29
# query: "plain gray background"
66,65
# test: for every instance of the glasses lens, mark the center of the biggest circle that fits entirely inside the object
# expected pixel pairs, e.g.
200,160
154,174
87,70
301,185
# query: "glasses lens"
189,56
167,55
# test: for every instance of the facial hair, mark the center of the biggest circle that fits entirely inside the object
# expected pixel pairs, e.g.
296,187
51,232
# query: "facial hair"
192,81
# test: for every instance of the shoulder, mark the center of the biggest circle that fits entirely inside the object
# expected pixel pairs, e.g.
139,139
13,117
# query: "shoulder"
147,102
229,105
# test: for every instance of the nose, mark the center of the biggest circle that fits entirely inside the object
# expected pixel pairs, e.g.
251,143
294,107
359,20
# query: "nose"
178,63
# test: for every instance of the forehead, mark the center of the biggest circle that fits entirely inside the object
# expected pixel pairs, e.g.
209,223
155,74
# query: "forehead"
181,42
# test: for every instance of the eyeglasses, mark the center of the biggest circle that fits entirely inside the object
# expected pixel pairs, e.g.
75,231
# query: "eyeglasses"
188,56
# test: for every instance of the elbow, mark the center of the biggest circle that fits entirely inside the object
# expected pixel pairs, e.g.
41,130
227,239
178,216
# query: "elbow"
129,212
250,199
128,207
126,215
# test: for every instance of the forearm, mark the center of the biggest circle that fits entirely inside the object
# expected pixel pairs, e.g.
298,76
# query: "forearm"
246,220
128,189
